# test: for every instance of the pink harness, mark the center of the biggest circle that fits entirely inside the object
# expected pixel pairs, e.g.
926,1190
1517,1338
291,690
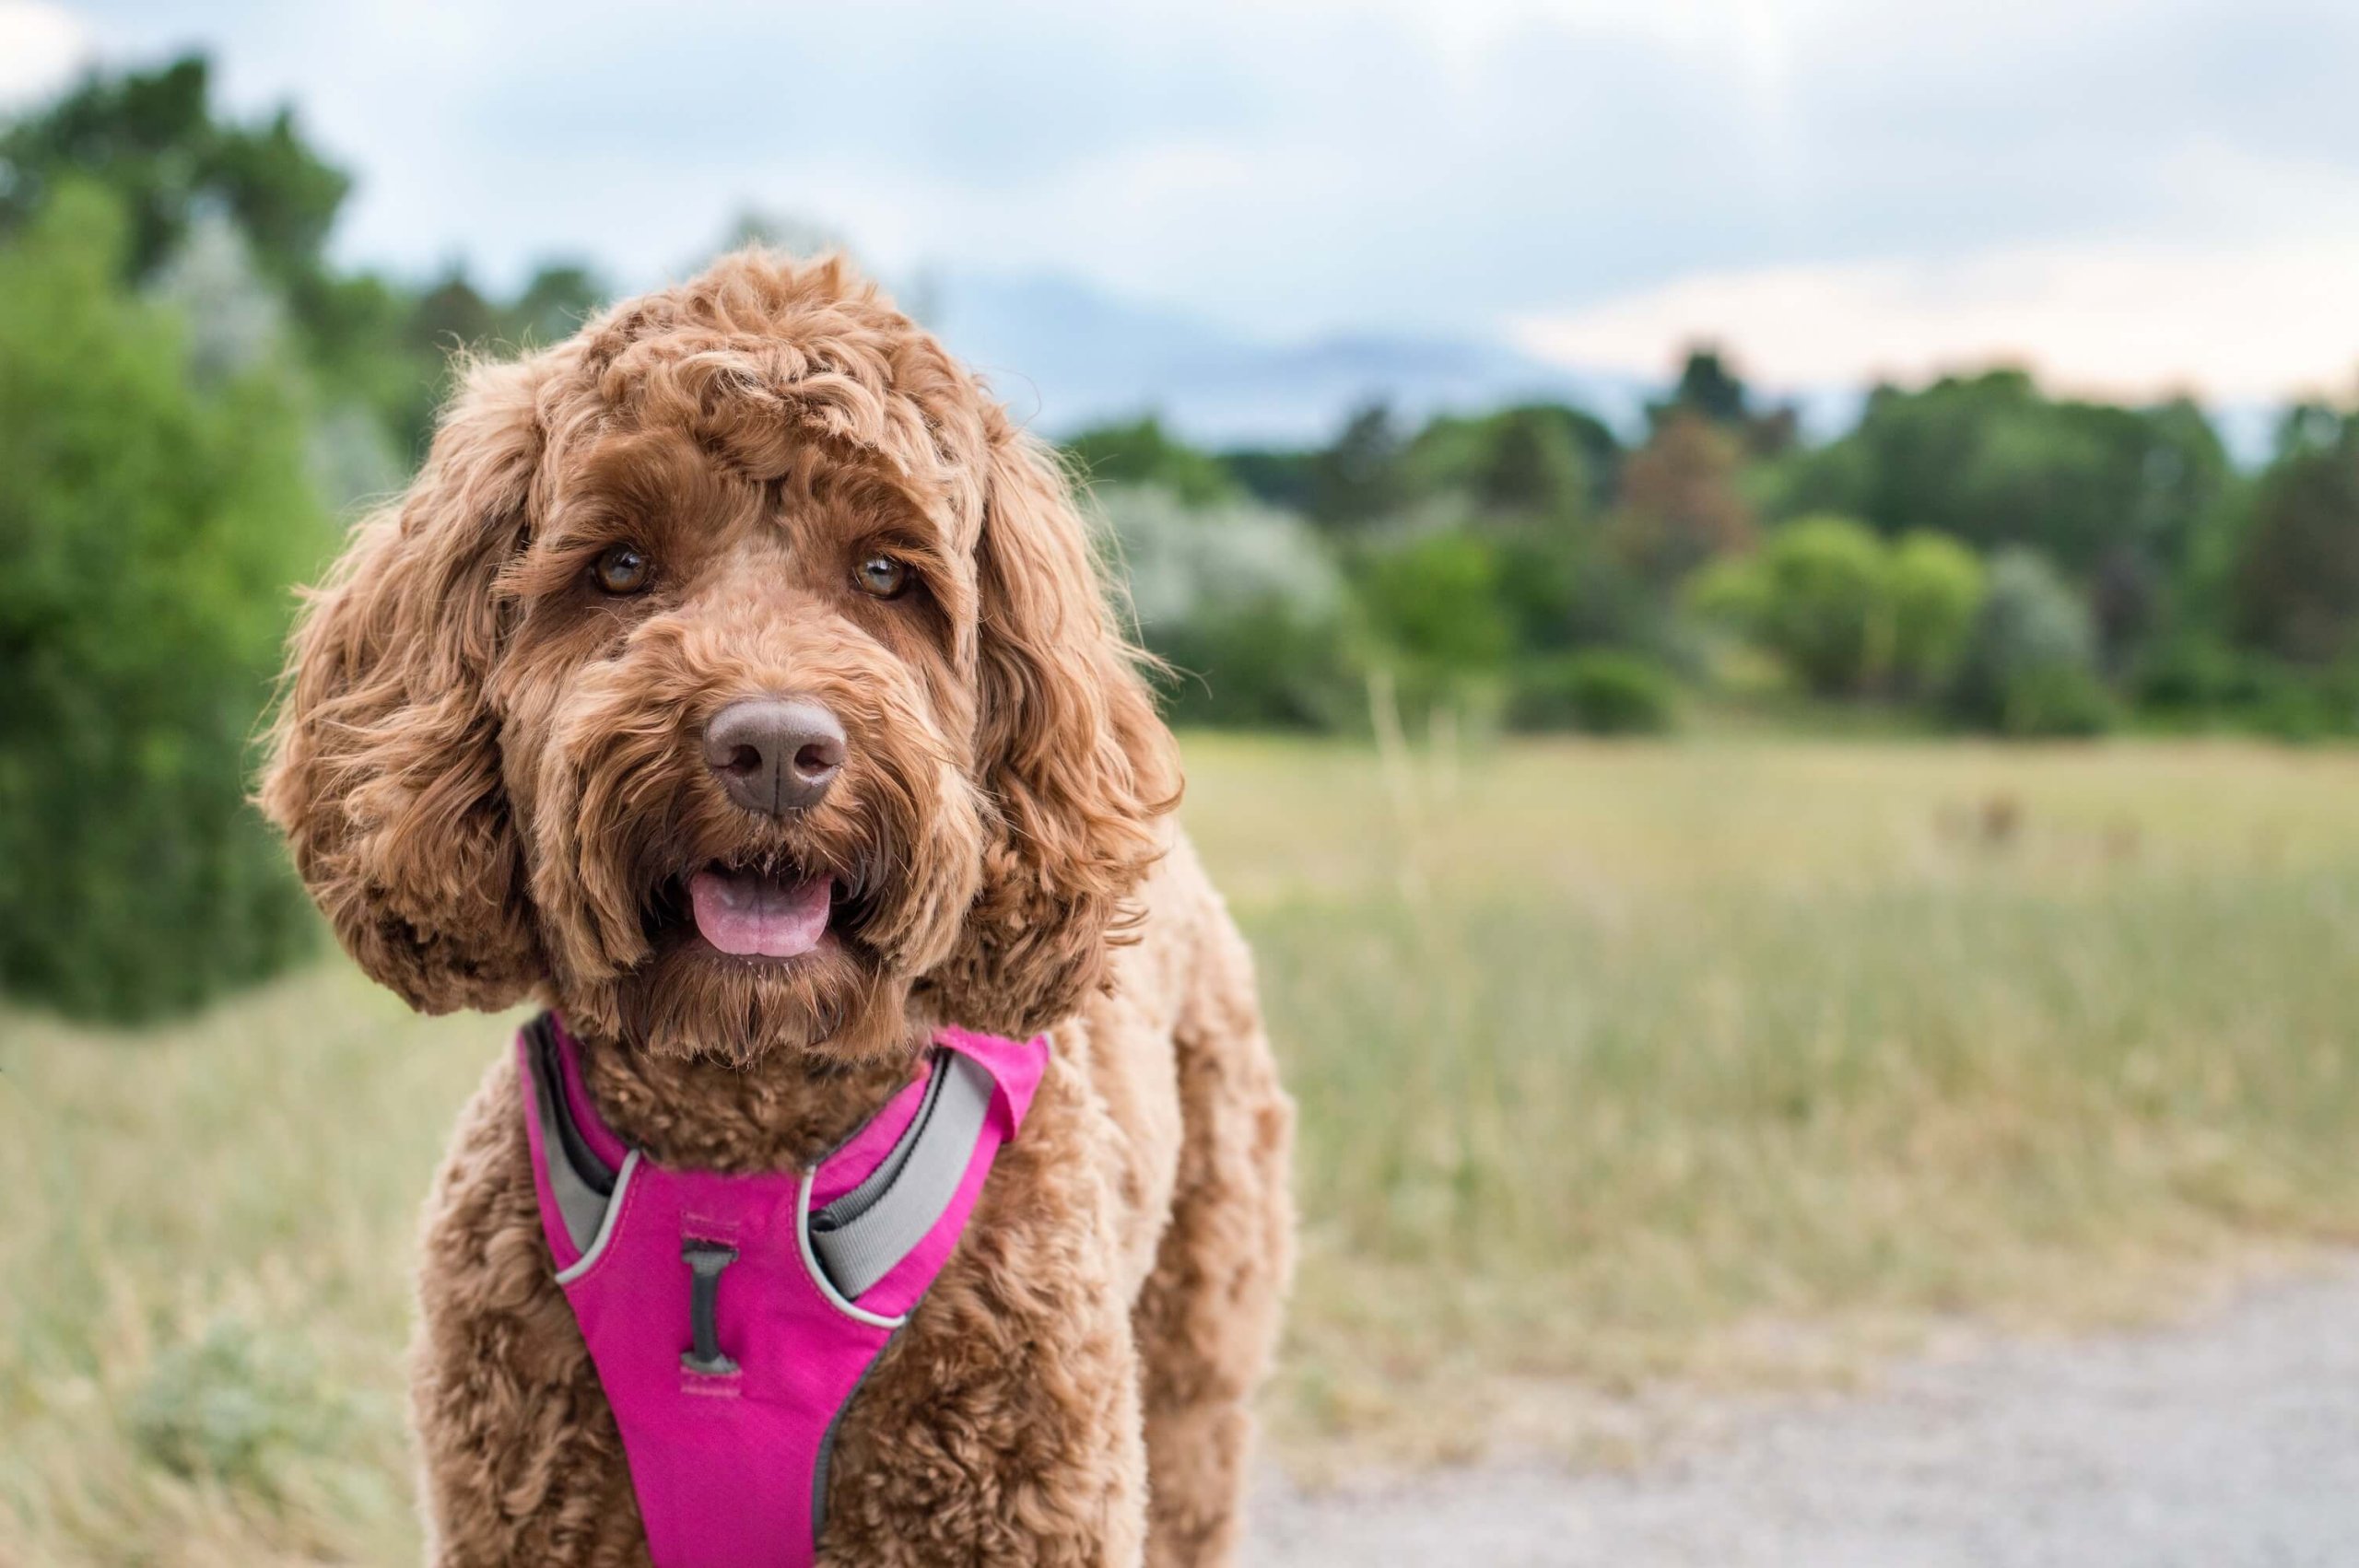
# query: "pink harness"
733,1317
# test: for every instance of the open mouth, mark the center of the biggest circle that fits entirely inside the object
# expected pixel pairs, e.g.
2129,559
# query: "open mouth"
761,911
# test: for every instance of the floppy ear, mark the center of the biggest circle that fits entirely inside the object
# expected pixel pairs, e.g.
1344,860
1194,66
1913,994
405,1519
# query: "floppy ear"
384,772
1070,754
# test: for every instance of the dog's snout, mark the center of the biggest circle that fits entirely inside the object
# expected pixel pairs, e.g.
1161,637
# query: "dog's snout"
775,754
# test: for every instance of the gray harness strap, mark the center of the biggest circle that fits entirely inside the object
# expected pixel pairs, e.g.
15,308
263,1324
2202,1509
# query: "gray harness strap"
577,1179
860,1236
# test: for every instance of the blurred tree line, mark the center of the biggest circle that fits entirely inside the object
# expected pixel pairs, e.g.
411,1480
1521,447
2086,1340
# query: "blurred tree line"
1973,554
192,392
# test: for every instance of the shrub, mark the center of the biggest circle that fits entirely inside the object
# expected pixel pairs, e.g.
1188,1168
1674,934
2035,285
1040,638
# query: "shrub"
1598,691
151,525
1245,605
2195,681
1435,605
1844,611
1545,583
1259,665
2194,677
2055,700
1935,585
2029,666
1825,606
1733,592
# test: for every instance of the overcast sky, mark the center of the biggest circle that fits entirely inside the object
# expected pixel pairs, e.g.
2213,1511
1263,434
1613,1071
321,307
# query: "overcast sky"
2133,194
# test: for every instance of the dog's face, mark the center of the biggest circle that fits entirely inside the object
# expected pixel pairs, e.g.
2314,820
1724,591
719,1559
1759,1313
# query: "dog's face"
735,672
738,734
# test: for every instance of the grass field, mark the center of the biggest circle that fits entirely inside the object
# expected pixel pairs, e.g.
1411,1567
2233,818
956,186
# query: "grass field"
1619,1067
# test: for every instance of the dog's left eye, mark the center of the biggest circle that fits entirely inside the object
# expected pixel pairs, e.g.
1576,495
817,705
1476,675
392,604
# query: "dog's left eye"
625,569
883,577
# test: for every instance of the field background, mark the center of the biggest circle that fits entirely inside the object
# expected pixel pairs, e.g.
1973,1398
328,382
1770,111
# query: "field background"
1623,1069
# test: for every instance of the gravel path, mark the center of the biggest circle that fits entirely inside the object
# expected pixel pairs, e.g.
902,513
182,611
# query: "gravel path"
2224,1443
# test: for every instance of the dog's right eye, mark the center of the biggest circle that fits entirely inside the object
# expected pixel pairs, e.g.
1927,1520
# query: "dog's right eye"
622,570
883,577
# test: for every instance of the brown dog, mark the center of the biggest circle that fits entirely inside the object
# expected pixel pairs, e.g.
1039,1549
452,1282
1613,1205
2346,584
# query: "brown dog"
749,597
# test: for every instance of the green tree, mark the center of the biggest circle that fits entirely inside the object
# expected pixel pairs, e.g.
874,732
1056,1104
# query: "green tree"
2029,666
1827,606
152,139
1846,612
1708,387
557,299
1681,503
1435,603
1142,452
1546,578
2295,584
453,314
1279,476
1934,585
1529,459
1243,602
1991,460
151,526
156,140
1361,479
1599,691
1732,592
1532,467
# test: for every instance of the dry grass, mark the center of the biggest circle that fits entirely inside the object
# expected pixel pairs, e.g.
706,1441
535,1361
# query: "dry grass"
1617,1064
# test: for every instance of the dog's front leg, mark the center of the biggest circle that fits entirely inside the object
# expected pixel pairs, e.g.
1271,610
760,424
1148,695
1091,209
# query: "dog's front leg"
1002,1426
522,1461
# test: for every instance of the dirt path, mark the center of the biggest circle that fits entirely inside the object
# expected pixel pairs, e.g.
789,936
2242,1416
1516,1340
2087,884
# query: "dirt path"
2228,1443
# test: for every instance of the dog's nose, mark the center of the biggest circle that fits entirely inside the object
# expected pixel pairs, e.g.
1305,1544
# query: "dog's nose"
775,754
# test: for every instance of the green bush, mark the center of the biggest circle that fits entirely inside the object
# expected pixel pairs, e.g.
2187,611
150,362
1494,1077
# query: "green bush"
2029,666
1545,586
1260,665
1935,585
1825,609
2198,682
2197,678
2055,700
150,524
1598,692
1734,592
1437,602
1844,611
1245,605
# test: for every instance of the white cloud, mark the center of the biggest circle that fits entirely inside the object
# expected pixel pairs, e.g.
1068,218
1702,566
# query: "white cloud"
40,46
2238,323
1427,165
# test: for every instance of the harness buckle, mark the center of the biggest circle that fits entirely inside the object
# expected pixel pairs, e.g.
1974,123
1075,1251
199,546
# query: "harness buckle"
706,1260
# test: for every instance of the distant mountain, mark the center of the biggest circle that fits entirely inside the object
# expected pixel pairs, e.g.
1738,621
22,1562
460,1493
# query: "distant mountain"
1070,355
1065,355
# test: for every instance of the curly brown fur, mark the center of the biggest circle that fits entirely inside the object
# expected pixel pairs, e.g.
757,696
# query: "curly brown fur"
490,775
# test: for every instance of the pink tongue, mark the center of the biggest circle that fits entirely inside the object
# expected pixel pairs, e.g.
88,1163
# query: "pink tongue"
755,915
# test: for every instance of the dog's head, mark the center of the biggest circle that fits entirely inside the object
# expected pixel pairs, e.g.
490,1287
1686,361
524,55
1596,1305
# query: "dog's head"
736,671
